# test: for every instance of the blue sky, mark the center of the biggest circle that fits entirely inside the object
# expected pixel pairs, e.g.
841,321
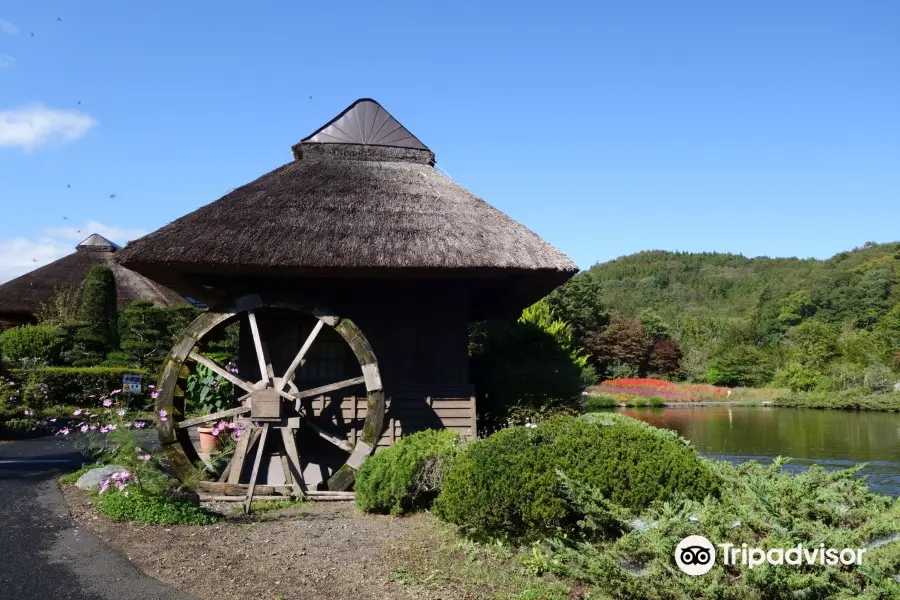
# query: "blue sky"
765,128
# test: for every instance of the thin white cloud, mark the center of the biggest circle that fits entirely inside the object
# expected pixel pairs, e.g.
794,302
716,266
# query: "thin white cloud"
6,61
35,126
120,235
20,255
8,28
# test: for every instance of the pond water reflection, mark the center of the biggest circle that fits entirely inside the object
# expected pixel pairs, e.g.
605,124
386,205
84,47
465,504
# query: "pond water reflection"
831,438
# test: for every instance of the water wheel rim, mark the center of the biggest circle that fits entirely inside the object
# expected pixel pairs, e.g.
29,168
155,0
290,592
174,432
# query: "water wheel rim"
176,442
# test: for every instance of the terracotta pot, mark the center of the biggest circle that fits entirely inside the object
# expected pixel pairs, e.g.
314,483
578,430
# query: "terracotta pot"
208,442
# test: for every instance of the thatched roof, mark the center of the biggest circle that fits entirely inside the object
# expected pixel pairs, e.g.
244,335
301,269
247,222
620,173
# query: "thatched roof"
22,296
361,194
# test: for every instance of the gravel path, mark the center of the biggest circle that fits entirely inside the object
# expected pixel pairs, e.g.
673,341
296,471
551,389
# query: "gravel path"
322,550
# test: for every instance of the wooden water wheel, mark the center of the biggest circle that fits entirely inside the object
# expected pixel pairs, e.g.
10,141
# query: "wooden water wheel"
272,406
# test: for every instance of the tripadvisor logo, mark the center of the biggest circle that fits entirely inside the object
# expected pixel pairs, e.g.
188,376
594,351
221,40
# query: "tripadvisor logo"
696,555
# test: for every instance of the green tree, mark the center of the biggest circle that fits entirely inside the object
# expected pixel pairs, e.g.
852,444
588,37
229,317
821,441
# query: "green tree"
740,365
580,304
813,343
795,308
99,313
525,369
144,333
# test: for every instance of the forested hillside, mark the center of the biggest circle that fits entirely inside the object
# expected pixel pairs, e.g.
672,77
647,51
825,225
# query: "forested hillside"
731,320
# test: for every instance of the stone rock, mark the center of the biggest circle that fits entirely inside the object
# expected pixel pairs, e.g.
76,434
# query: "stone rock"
91,480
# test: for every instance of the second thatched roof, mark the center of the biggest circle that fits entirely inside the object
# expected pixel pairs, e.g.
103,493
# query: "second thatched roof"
21,297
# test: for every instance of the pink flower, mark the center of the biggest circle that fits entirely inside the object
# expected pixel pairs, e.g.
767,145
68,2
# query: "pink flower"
76,412
143,457
111,428
154,395
28,412
63,431
53,420
107,403
121,412
93,427
114,392
163,415
151,386
104,429
84,429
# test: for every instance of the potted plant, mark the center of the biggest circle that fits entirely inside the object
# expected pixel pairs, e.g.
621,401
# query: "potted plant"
210,393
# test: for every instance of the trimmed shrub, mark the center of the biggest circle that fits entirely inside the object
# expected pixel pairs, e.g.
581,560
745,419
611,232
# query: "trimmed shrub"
508,484
30,342
98,306
407,476
74,385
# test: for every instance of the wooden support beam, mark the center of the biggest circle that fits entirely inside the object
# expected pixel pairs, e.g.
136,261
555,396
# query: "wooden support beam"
240,453
298,360
255,472
291,454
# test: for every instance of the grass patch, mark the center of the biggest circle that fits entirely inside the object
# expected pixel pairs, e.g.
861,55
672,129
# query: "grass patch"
140,506
438,557
261,507
599,401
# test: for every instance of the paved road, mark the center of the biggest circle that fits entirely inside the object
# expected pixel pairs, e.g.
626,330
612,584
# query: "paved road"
43,553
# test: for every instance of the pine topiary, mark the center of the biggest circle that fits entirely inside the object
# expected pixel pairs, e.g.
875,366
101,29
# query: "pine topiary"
408,475
98,308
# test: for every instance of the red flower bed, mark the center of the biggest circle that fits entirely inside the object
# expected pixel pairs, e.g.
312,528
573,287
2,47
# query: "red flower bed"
642,383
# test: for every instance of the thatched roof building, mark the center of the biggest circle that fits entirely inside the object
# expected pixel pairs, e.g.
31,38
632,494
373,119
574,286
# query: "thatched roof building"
360,200
21,297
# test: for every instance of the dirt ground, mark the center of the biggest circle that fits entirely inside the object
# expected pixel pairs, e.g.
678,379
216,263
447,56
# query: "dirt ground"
320,550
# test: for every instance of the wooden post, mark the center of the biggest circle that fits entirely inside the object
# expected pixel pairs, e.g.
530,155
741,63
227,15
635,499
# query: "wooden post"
474,419
255,473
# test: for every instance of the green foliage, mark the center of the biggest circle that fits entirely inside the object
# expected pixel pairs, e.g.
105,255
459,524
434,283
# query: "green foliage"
800,378
507,485
626,554
579,303
30,342
739,365
598,401
208,392
139,506
13,429
526,369
63,308
99,314
79,386
853,399
834,317
407,476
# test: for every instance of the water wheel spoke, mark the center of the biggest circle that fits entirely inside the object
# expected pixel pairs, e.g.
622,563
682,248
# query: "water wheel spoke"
265,366
328,388
298,360
328,436
222,371
224,414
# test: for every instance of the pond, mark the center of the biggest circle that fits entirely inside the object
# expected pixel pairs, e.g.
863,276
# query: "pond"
831,438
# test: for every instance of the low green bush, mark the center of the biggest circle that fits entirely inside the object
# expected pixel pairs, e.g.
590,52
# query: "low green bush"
854,399
141,506
76,385
13,429
30,343
599,401
508,484
407,476
630,554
